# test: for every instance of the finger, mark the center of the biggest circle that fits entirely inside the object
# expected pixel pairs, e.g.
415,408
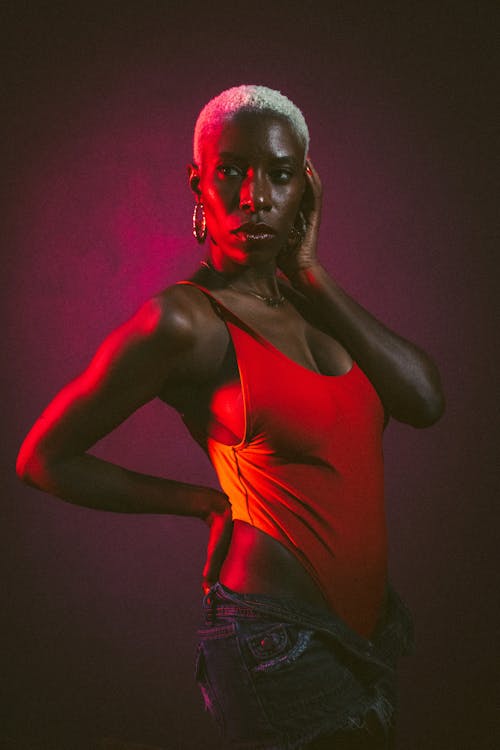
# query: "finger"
310,172
309,165
312,176
311,168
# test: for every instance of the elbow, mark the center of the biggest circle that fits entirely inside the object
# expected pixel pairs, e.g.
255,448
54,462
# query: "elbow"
26,470
431,411
421,407
429,398
23,468
429,407
31,468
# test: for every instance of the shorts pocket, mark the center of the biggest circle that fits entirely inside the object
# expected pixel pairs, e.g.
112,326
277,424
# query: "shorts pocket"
295,673
276,646
226,684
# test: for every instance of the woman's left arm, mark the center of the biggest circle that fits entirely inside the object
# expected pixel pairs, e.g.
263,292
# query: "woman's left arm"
404,376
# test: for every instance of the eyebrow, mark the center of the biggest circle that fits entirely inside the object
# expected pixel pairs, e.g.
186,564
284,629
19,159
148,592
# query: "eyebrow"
285,160
275,159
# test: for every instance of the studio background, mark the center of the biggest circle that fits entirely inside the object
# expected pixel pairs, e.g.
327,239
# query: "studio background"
100,610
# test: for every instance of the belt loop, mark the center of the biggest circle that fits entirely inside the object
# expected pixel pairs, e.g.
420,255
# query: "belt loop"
213,603
207,599
210,603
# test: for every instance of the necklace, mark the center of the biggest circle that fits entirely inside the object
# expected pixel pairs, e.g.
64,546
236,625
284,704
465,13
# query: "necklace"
270,301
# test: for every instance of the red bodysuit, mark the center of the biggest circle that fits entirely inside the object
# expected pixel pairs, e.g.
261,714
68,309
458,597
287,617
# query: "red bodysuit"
309,469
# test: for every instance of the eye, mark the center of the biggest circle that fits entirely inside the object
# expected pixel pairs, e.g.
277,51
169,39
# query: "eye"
228,170
281,176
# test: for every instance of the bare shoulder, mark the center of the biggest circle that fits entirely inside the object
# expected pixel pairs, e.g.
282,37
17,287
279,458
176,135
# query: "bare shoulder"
185,319
182,313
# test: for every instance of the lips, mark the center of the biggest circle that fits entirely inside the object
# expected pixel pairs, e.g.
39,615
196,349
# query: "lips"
255,231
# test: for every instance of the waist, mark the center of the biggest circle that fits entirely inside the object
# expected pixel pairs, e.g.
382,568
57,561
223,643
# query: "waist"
256,563
392,637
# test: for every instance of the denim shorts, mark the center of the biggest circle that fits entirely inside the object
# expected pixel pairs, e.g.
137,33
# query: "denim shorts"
276,674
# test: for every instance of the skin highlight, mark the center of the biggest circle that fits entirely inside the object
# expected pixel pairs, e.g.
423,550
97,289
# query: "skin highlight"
175,347
176,344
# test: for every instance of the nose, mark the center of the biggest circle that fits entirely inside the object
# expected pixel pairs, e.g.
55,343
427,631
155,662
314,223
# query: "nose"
254,193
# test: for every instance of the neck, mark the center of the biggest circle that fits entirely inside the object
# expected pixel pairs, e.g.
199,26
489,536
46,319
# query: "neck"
257,278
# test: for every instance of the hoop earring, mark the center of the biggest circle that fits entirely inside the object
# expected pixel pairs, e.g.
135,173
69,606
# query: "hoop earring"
199,222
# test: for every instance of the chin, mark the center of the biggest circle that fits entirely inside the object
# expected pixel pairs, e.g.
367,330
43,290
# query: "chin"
247,255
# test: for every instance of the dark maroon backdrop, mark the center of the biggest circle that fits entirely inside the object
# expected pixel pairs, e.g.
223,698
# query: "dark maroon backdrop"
100,611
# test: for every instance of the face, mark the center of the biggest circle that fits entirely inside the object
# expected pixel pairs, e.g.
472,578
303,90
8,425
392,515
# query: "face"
251,182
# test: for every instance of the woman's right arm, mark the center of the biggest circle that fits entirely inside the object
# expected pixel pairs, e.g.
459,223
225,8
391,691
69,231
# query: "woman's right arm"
156,347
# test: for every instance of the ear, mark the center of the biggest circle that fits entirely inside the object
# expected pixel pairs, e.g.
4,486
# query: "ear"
194,178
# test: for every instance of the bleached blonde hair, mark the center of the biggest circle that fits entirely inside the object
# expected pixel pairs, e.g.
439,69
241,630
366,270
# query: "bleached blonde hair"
248,98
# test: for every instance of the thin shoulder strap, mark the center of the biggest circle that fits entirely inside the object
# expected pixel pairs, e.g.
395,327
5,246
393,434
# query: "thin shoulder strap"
227,315
218,307
234,324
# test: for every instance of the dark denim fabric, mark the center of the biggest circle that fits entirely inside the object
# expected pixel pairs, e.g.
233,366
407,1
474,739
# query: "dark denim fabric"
276,674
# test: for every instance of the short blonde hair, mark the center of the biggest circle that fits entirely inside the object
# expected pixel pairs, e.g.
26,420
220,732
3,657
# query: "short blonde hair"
249,98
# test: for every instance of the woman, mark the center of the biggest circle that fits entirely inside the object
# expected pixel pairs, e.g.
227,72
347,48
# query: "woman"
288,386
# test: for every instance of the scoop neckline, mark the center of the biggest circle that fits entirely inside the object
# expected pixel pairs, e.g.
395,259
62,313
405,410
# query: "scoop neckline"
265,342
262,340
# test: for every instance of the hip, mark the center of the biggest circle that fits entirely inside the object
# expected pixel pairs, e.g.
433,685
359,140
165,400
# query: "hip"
258,563
276,673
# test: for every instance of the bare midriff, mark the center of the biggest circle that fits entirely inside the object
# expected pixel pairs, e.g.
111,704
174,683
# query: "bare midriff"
258,564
